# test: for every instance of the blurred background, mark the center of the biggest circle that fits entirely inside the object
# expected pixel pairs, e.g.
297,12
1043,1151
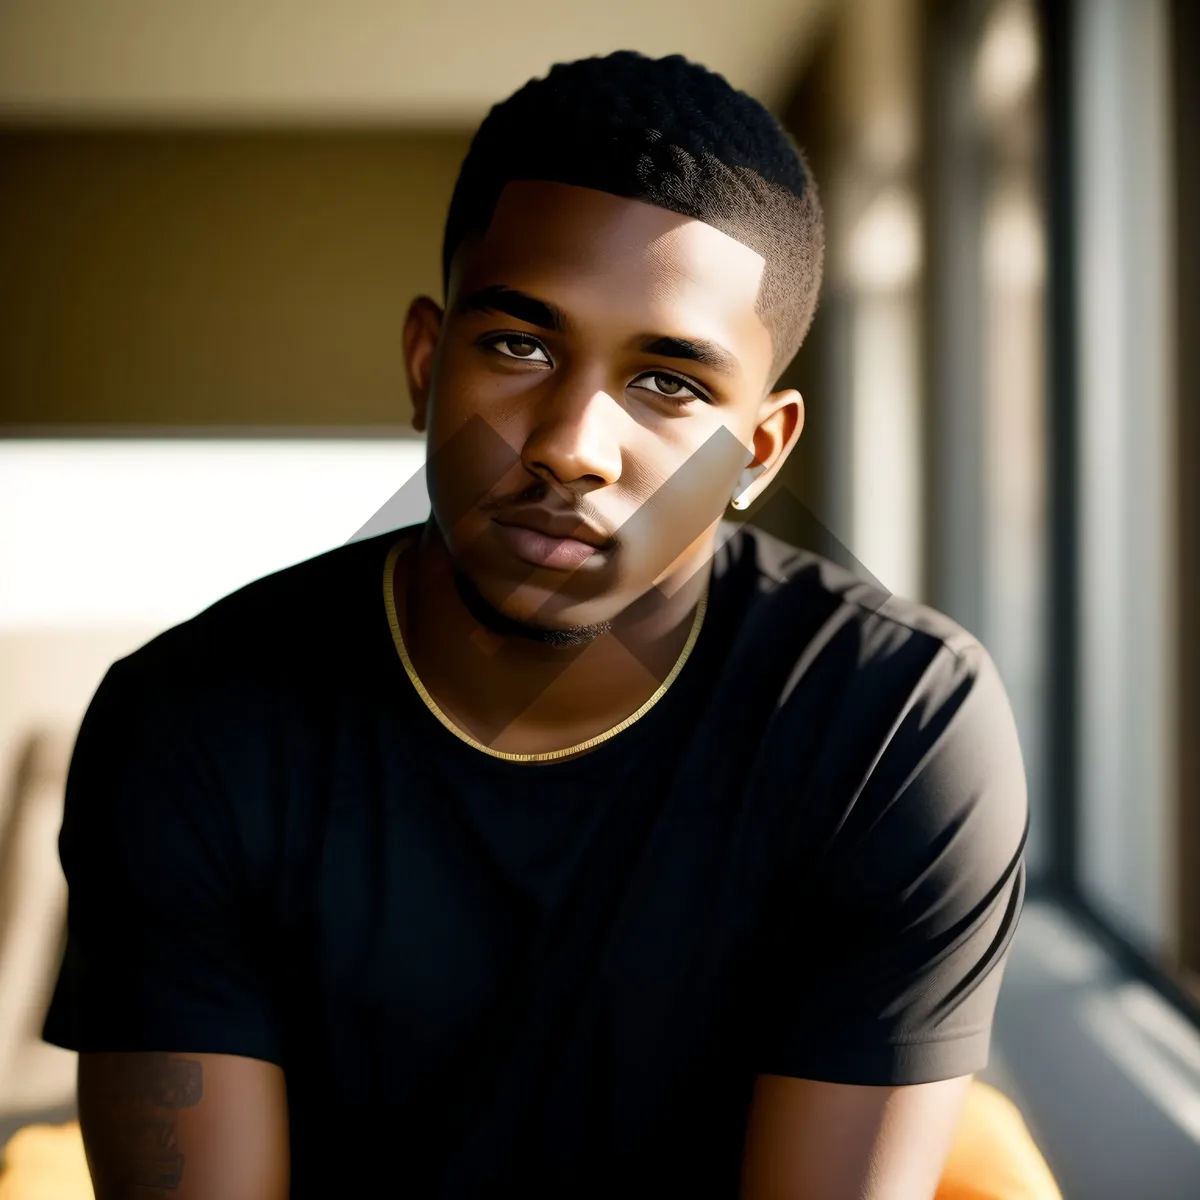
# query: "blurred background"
212,220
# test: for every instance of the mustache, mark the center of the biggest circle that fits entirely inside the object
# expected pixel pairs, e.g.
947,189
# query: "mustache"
572,506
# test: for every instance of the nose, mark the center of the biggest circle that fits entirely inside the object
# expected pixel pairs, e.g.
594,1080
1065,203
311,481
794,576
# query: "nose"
575,437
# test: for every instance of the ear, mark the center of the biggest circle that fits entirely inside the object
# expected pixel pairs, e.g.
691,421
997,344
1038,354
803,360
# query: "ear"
422,327
781,421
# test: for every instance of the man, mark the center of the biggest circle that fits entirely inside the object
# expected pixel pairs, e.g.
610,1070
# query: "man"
576,842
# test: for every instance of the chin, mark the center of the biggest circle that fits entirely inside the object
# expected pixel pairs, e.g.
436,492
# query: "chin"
530,627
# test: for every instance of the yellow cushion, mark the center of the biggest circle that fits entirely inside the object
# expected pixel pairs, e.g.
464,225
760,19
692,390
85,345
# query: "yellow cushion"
46,1162
993,1158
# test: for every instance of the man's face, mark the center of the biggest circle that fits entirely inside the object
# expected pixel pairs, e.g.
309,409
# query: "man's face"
599,362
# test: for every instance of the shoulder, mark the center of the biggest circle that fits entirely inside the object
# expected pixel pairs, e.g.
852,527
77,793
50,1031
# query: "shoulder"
196,722
886,717
810,607
284,626
220,700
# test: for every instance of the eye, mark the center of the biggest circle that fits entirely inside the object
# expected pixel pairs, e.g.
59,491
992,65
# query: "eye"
519,347
672,387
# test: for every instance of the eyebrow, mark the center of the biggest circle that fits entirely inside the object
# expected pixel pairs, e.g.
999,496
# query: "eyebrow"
545,315
521,305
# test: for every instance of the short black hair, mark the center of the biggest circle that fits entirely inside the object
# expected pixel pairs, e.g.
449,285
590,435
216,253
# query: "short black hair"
671,133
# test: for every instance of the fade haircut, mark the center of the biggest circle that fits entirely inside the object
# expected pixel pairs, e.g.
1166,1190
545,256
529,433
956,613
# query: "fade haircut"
671,133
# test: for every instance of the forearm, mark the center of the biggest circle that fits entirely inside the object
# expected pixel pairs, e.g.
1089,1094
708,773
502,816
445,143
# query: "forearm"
162,1126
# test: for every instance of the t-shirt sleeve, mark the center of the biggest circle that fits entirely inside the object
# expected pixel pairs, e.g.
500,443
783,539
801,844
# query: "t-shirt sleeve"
163,951
888,968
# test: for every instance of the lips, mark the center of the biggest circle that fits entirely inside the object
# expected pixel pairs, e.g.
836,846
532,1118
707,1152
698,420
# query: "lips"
540,549
554,526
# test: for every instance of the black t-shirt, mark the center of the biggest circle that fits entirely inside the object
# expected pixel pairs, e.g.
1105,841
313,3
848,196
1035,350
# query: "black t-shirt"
550,979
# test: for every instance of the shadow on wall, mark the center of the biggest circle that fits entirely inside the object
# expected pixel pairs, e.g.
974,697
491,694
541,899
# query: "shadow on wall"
33,906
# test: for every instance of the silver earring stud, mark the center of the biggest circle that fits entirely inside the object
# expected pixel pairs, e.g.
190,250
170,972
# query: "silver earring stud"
747,480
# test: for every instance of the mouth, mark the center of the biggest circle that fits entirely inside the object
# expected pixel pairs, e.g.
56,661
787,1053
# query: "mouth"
544,550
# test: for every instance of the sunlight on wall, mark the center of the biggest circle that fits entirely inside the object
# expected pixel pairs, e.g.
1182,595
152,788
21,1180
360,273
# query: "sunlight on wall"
143,531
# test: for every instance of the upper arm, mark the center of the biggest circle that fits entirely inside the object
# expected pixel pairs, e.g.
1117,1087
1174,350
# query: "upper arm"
882,972
166,950
167,937
808,1140
884,960
184,1126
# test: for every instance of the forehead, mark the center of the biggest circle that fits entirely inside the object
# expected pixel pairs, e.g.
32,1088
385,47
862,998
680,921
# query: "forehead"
606,258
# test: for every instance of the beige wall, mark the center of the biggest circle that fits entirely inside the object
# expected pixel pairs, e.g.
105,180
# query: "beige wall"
393,61
215,277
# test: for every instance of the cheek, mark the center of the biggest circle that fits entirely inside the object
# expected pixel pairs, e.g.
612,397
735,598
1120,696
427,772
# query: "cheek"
462,391
473,441
694,486
467,460
691,556
677,515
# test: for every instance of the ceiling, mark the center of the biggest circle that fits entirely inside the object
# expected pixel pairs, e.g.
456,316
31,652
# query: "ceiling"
435,64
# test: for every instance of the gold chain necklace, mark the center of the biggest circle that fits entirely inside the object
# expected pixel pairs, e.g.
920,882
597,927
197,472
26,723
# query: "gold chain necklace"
389,600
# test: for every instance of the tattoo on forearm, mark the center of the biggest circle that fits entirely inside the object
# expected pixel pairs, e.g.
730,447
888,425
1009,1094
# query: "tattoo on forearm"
159,1085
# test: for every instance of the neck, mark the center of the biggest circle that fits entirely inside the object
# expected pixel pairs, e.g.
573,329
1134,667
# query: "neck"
519,696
